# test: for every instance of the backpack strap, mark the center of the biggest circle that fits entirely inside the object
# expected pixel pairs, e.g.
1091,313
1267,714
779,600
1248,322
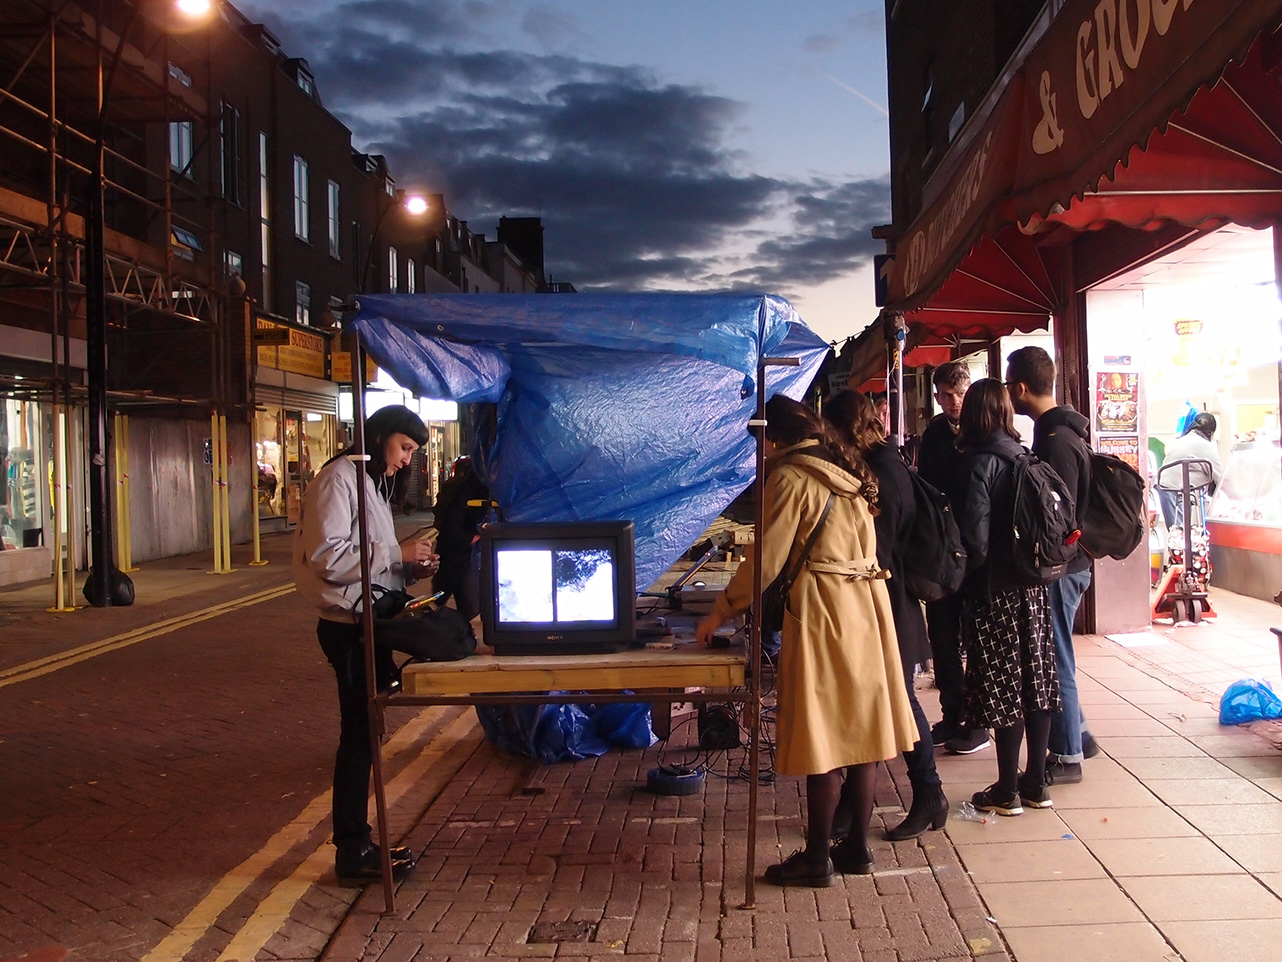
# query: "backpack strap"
791,576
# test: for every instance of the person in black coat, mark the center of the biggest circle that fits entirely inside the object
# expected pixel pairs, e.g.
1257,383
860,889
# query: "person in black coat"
1011,682
857,421
458,524
940,464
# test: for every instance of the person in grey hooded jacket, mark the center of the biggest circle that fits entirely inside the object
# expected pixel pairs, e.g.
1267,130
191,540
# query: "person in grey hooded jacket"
327,572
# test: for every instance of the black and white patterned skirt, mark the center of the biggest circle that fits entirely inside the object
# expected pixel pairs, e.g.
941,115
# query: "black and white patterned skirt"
1010,657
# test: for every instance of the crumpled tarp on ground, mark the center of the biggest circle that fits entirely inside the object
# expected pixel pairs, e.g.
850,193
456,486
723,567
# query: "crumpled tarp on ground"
609,406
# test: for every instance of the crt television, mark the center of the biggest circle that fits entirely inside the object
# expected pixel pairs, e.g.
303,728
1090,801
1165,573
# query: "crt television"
558,587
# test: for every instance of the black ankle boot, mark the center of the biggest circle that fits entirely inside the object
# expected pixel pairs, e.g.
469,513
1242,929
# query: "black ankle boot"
928,810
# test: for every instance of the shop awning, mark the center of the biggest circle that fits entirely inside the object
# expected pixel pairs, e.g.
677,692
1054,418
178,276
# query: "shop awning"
1086,93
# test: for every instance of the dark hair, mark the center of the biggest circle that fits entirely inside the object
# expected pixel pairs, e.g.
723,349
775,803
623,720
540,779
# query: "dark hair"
789,422
954,374
986,410
854,417
1204,424
1032,367
379,428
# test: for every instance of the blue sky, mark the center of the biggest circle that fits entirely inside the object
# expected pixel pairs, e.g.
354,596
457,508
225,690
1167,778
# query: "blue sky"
667,146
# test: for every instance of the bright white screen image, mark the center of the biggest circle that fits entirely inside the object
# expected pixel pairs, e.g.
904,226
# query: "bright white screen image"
525,585
584,585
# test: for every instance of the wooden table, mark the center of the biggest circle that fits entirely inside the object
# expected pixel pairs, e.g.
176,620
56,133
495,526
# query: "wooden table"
528,676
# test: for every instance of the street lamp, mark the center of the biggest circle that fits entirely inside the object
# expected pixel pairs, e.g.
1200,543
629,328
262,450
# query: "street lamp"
415,205
100,522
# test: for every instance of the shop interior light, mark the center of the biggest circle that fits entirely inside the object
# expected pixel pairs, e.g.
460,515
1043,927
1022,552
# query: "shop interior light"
430,409
313,416
346,409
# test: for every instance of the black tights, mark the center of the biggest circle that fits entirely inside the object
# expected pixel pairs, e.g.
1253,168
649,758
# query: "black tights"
1036,728
822,794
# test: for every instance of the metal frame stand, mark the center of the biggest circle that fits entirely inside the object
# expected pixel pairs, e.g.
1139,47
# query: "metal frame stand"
378,702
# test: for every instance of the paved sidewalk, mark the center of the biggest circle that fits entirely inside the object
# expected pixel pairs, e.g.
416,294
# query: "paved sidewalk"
167,801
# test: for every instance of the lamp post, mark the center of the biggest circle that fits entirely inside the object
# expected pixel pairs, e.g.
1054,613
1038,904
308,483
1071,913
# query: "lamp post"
415,205
100,521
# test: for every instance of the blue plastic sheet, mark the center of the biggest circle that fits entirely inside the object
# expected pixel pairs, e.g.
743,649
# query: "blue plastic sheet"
1247,700
559,733
609,406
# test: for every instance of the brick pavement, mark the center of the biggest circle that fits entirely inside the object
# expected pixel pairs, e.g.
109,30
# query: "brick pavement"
169,797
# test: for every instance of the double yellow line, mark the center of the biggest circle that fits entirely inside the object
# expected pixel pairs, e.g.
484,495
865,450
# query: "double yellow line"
64,659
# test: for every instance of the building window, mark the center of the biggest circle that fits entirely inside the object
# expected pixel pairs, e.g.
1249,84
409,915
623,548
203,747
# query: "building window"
180,152
411,284
265,221
301,211
393,281
177,72
229,130
233,263
357,279
335,225
302,303
305,83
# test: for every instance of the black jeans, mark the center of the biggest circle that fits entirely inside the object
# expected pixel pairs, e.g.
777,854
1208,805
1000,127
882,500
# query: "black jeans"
921,760
943,625
354,759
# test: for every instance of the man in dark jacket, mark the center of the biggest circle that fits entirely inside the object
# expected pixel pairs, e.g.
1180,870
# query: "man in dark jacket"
1060,439
941,464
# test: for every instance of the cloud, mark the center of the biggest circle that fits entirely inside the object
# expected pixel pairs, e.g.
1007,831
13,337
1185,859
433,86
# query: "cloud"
866,22
636,180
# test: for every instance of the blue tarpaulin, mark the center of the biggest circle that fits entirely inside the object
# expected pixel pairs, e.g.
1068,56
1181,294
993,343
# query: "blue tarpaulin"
609,406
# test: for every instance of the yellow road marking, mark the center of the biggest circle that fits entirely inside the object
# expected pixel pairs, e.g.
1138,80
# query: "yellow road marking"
200,919
274,911
64,659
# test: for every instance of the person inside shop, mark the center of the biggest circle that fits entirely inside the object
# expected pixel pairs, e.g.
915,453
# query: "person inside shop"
1061,439
458,524
841,704
1010,681
1196,444
327,573
856,421
942,465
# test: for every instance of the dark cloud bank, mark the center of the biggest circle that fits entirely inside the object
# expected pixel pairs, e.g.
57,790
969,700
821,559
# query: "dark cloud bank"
633,178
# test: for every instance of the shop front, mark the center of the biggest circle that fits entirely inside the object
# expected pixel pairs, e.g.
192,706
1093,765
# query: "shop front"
296,427
1118,189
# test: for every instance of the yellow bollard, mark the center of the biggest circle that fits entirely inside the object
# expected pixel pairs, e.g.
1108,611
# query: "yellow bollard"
224,478
127,563
217,496
258,561
64,585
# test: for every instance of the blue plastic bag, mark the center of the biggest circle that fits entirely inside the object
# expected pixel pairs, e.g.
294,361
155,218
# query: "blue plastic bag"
1249,699
626,725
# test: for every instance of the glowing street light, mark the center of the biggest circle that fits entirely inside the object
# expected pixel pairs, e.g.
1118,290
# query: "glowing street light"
416,205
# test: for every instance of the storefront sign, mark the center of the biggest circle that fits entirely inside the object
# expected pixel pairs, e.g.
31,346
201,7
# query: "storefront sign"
304,353
1101,77
1187,327
1117,401
340,365
1124,446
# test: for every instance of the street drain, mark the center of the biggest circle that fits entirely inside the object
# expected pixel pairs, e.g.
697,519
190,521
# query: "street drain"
562,932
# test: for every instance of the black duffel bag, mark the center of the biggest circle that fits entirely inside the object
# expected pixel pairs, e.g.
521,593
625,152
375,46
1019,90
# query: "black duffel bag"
418,628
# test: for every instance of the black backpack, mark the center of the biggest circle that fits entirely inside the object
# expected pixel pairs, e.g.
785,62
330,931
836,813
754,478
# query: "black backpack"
1043,532
933,556
1114,518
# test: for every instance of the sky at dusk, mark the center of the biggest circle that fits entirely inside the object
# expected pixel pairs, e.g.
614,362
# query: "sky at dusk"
667,146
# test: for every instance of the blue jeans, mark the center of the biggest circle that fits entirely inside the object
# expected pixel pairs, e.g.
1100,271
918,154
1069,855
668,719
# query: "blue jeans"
1068,724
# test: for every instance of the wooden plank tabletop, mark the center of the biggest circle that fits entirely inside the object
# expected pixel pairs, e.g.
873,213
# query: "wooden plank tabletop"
690,666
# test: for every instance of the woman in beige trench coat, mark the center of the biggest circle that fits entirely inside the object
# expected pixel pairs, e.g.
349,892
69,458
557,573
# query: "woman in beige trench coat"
841,702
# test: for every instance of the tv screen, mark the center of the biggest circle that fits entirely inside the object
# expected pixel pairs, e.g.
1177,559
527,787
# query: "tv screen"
558,587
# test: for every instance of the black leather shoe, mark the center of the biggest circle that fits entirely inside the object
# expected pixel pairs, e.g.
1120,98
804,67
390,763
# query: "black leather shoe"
928,811
366,866
849,860
796,870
